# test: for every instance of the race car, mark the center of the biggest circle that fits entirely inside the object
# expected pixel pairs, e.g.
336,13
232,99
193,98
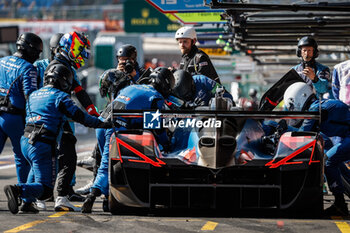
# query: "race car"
221,159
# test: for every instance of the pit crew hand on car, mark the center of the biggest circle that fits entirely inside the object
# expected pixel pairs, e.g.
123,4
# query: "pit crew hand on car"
105,124
282,126
195,103
199,101
190,105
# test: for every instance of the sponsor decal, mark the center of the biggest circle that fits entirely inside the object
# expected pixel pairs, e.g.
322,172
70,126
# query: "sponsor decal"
155,120
151,120
203,63
34,119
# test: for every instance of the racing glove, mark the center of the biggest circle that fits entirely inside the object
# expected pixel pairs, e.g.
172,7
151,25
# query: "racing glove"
105,124
282,126
195,103
198,102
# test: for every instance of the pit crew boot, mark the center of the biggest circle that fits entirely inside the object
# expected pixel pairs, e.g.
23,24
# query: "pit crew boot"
339,208
63,204
90,199
88,203
105,205
13,201
28,208
40,204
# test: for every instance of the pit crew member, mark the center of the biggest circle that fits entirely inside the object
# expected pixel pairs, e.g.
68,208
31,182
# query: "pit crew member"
313,73
196,90
194,60
335,122
73,52
45,114
127,62
18,80
132,97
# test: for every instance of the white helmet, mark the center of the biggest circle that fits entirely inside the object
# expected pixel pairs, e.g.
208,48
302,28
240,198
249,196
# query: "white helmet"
297,95
186,32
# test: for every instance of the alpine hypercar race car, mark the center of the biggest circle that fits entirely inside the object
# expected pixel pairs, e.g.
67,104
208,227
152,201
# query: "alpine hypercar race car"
221,158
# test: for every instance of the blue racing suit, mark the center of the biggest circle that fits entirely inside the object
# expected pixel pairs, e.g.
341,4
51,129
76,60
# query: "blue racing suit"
67,153
206,89
335,122
41,67
131,97
323,84
47,110
18,78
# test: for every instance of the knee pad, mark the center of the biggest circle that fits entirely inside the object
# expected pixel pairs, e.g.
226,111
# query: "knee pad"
47,193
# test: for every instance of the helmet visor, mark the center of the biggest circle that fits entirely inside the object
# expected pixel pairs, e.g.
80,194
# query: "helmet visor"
85,53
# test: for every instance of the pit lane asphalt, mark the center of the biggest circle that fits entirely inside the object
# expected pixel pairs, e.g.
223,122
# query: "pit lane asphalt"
99,221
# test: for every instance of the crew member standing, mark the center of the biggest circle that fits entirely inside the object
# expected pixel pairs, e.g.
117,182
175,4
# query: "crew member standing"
18,78
73,52
45,112
194,60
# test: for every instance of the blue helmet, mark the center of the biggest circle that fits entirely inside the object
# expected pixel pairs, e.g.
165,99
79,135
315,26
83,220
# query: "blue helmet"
76,46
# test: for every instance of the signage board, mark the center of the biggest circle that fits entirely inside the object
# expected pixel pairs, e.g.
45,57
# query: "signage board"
145,18
199,17
174,6
215,51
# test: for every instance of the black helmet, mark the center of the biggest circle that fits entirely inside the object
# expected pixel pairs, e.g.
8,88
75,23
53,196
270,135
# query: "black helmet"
252,92
60,76
29,46
112,81
162,79
55,44
184,87
127,51
307,41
